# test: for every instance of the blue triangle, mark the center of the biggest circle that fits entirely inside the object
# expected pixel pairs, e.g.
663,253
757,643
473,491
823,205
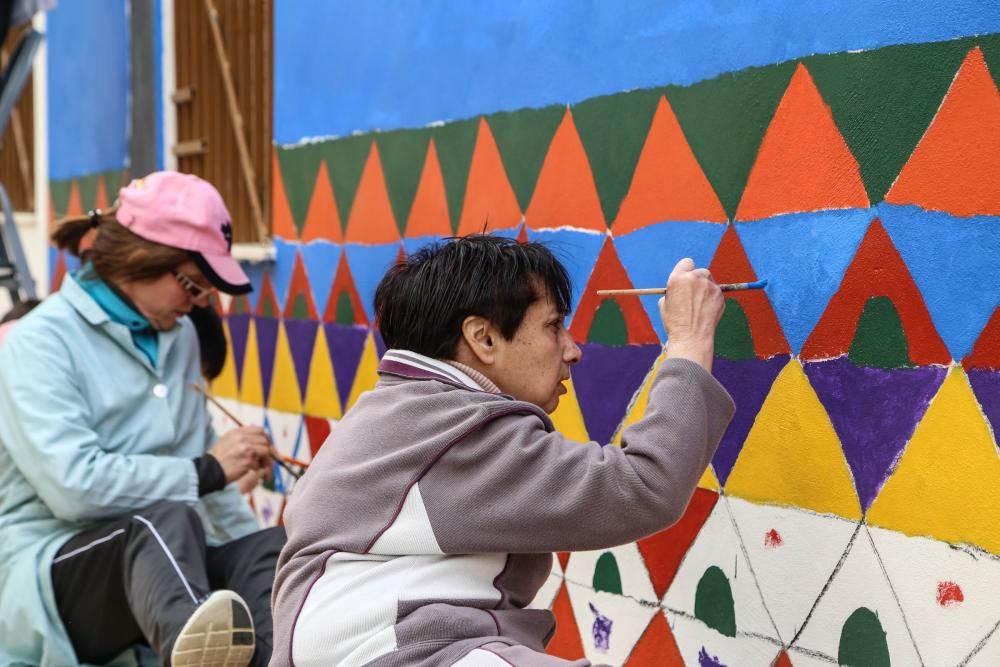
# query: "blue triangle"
368,264
321,259
803,257
650,253
281,272
577,250
954,262
255,271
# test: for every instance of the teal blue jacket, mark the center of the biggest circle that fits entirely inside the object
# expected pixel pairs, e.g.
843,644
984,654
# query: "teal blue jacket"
90,430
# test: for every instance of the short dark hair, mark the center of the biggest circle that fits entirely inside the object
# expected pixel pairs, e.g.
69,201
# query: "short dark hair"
421,302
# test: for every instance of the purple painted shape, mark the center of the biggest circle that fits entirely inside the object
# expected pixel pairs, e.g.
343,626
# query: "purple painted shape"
605,380
601,630
239,327
301,339
346,343
267,341
380,347
748,382
874,411
706,660
986,385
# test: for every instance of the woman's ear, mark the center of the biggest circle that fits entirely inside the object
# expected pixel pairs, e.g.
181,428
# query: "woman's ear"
478,334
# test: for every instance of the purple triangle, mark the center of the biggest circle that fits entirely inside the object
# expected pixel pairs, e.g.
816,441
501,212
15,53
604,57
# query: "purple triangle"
874,411
301,338
267,341
605,380
239,327
748,382
380,347
346,343
986,385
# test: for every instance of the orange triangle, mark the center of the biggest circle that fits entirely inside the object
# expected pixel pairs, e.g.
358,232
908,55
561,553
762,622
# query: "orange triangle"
565,643
489,203
565,195
282,224
429,213
267,300
343,282
74,206
668,183
986,352
239,305
608,273
956,166
782,660
299,285
322,219
731,265
657,646
101,196
371,219
804,163
58,272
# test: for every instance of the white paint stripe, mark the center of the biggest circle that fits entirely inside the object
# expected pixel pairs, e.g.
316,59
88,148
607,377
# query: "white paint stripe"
170,556
86,547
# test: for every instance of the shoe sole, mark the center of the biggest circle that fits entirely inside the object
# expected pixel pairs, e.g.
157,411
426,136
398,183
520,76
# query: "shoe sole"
220,633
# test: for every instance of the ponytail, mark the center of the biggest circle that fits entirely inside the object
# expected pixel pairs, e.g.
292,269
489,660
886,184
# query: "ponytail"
76,234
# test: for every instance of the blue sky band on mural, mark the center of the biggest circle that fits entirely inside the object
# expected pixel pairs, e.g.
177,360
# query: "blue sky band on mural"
867,376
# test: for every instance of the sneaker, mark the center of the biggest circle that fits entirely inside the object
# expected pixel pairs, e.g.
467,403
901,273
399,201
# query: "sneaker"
218,634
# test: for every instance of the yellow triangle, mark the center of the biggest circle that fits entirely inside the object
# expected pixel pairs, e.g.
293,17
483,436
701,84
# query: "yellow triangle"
285,395
568,418
251,390
322,399
947,482
367,374
637,410
226,385
709,480
792,455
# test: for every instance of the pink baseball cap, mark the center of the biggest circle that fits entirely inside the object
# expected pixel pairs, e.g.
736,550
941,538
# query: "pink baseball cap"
183,211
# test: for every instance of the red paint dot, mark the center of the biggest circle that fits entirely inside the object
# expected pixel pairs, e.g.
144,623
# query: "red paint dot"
949,593
772,539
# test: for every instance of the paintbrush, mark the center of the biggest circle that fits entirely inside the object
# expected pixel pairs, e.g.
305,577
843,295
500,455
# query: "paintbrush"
728,287
274,455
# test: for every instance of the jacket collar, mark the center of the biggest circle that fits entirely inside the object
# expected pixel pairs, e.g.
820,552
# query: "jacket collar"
407,364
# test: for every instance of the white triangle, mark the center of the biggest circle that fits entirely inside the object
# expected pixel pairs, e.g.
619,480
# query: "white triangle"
701,645
546,595
946,631
718,545
267,506
793,553
628,620
221,422
859,583
248,413
989,654
286,432
636,583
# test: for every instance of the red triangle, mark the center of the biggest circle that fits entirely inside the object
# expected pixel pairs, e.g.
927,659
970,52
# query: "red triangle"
956,165
318,429
216,303
267,297
344,282
668,183
731,265
282,224
236,301
986,352
58,272
804,163
608,273
489,202
371,219
563,557
429,213
322,219
522,234
782,660
664,551
565,194
299,284
876,270
657,646
565,643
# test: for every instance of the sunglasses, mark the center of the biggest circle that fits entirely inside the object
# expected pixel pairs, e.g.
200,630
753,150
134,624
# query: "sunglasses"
191,287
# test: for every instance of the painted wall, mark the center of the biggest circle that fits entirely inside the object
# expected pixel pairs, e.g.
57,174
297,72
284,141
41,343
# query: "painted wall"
847,152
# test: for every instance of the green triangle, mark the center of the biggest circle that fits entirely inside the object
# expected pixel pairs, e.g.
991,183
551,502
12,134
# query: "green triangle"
300,307
523,139
268,308
991,52
607,576
455,143
59,191
880,340
345,160
608,326
862,641
732,337
88,190
113,183
884,100
724,120
613,130
345,309
298,166
403,155
239,306
713,602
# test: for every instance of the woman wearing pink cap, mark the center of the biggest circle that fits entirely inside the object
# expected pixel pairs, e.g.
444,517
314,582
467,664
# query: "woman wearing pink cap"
120,523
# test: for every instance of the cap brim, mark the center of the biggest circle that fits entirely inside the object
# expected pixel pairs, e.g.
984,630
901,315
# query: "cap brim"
224,272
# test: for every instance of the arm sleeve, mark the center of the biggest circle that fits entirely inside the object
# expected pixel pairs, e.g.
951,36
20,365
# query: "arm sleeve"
524,489
45,425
